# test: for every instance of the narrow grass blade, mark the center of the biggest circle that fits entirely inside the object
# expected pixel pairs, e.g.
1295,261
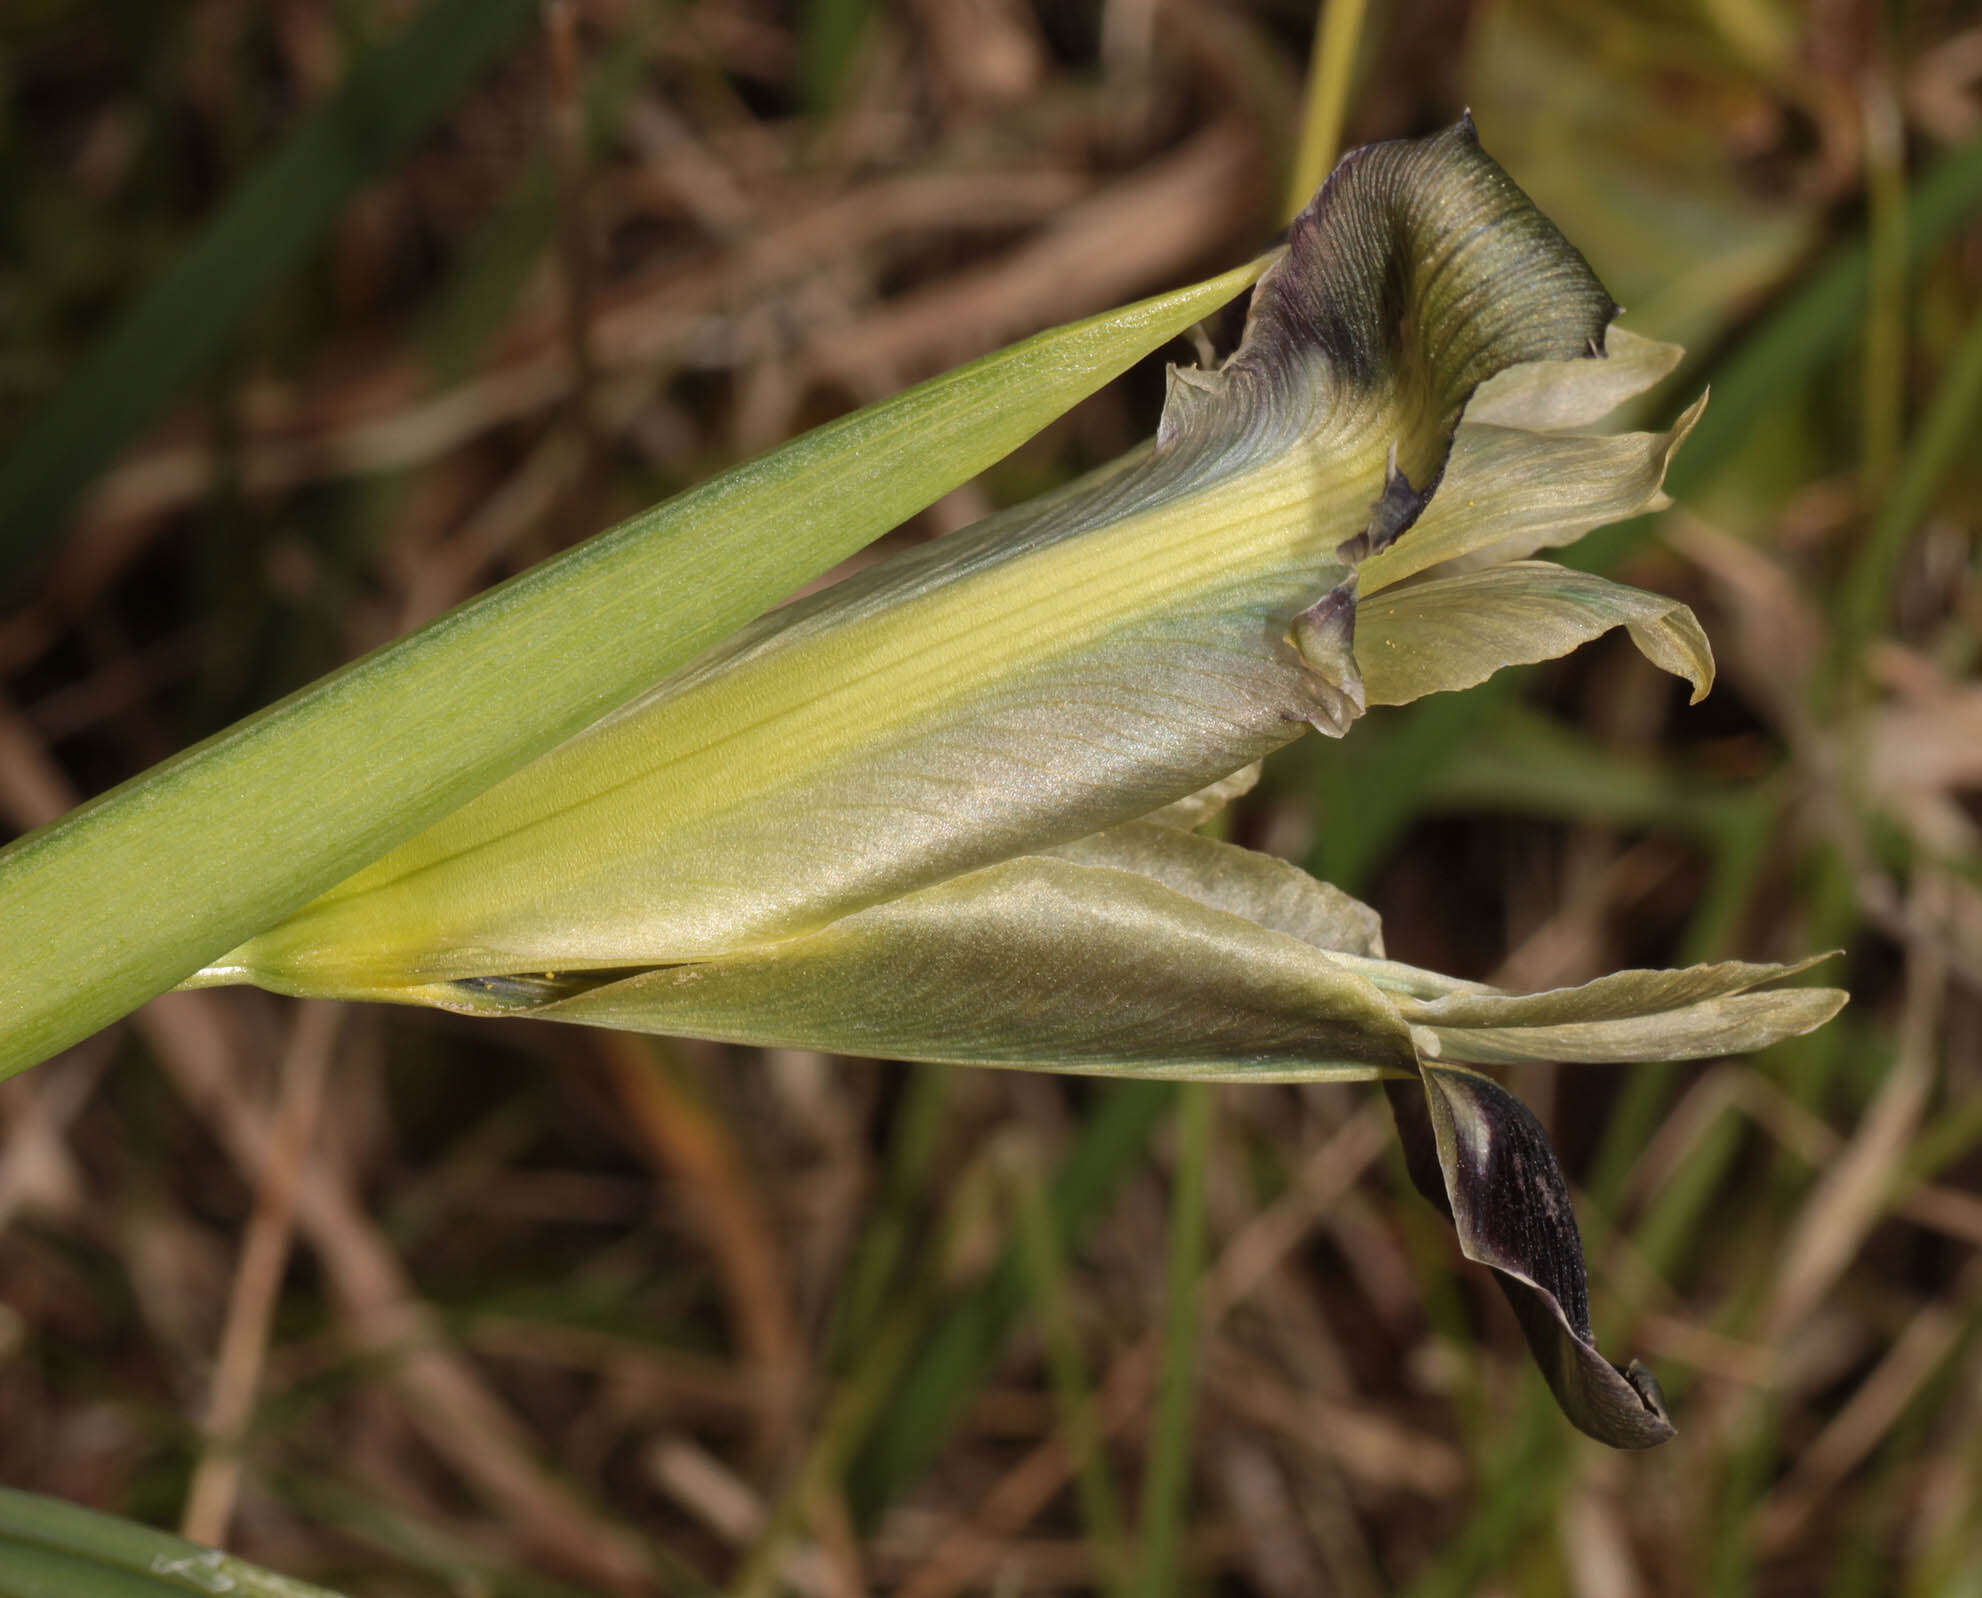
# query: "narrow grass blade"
1946,434
1166,1486
1369,800
1813,326
957,1358
48,1547
186,319
1073,1392
1527,763
876,1263
1331,73
1882,342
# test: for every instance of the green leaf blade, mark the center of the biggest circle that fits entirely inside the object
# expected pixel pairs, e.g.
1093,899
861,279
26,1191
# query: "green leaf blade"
52,1549
187,318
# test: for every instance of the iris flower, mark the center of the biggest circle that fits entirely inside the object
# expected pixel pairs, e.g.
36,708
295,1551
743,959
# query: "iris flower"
945,810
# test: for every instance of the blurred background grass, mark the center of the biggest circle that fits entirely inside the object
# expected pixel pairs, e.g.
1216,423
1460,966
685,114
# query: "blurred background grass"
316,317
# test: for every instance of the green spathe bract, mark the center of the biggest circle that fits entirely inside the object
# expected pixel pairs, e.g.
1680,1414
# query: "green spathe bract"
129,894
1061,668
941,811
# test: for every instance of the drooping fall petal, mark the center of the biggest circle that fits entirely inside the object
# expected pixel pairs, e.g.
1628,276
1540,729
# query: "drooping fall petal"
1446,633
1478,1153
1726,1008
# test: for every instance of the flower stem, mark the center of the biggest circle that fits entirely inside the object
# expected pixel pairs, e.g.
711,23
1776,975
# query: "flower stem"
1337,31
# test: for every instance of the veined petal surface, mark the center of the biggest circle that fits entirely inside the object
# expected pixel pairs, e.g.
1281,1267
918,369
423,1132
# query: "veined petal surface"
1042,963
1509,493
1446,633
1569,396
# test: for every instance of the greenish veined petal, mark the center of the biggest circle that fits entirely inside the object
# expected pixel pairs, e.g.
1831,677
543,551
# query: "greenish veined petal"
1735,1025
1452,632
1478,1153
1255,887
1194,810
1508,494
1156,902
1061,962
1625,1017
1044,676
1619,995
1040,963
1568,396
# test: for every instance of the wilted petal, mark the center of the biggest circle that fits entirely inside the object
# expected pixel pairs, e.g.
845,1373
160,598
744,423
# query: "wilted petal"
1688,1014
1567,396
1509,494
1446,633
1736,1025
1627,1016
1482,282
1040,963
1616,996
1194,810
1255,887
1478,1153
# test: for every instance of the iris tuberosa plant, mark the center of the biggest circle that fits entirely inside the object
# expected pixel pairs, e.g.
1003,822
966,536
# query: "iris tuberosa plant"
945,810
